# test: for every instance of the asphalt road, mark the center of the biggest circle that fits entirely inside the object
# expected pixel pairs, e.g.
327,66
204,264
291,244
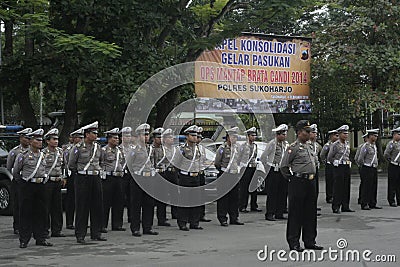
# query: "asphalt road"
376,230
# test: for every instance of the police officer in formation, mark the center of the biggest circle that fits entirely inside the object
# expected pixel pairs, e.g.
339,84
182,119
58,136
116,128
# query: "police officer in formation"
316,148
392,155
298,166
111,164
248,154
359,167
84,162
29,171
140,163
227,162
126,146
23,146
275,182
368,160
333,137
202,174
53,158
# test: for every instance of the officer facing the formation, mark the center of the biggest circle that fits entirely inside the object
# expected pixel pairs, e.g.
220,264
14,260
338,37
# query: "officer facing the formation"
22,147
29,170
75,137
189,165
159,160
142,205
359,167
298,166
84,163
53,156
276,184
392,154
368,160
111,164
126,146
339,157
333,137
226,161
202,175
248,155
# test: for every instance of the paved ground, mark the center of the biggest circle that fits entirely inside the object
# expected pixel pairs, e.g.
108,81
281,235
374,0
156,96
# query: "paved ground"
376,230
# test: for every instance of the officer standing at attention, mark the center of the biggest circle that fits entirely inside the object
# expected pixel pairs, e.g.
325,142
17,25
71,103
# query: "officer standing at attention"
359,167
76,137
53,156
111,164
249,150
202,175
339,157
298,166
368,160
276,184
333,137
158,159
189,170
84,162
22,147
392,154
316,148
29,170
126,147
142,205
226,161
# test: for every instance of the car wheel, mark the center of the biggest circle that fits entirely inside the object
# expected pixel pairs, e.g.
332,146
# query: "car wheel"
6,200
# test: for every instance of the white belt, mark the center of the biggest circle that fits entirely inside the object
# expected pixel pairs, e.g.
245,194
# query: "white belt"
252,165
229,171
344,162
36,180
371,165
395,163
120,174
55,178
89,172
147,174
193,174
160,170
171,169
273,165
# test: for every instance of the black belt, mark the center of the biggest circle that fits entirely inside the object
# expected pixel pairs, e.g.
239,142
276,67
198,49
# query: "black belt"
307,176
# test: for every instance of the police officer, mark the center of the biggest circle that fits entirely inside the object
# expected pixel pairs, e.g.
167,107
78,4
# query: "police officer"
53,156
188,176
202,175
359,167
159,159
368,160
392,154
226,161
29,170
22,147
339,157
126,146
142,205
276,184
84,162
298,166
76,137
316,148
333,136
248,155
111,164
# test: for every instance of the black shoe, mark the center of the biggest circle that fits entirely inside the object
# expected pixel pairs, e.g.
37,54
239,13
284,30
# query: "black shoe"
318,214
280,217
347,210
103,230
224,224
23,245
183,228
285,211
136,233
44,243
297,248
391,205
164,224
205,220
57,235
99,238
150,232
269,218
244,210
118,229
256,209
314,247
318,209
365,208
376,207
16,232
337,211
196,227
70,227
236,223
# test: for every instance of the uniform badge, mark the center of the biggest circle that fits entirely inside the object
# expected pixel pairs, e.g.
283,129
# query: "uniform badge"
289,151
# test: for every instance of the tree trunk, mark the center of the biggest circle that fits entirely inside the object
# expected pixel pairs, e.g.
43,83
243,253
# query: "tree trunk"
165,105
71,110
24,101
8,46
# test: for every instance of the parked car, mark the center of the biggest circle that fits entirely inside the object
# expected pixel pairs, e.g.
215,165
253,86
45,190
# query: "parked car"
6,198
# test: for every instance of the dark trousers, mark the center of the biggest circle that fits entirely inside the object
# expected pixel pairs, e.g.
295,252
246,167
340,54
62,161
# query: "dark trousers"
277,187
229,204
188,215
126,191
393,184
142,207
369,184
88,199
203,207
244,190
70,201
113,200
172,176
14,192
341,184
54,218
32,211
302,216
329,182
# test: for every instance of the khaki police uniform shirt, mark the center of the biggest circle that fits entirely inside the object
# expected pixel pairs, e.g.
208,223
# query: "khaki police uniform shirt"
12,156
299,158
125,149
159,158
227,156
189,158
140,158
368,155
248,154
111,159
339,151
170,153
81,154
66,151
25,164
324,151
316,148
358,153
50,157
392,151
273,153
